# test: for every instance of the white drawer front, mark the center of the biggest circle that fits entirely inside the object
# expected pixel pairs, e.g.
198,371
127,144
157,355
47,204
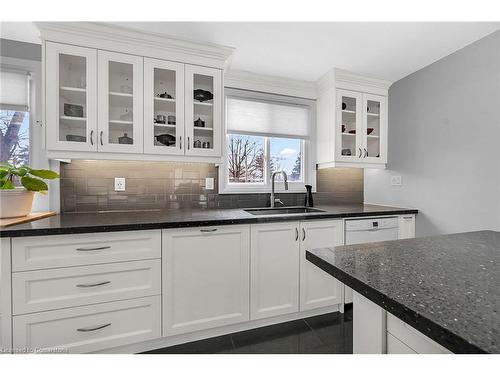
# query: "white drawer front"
90,328
35,291
31,253
412,338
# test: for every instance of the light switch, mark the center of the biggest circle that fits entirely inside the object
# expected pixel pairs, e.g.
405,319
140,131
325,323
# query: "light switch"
396,180
119,183
209,183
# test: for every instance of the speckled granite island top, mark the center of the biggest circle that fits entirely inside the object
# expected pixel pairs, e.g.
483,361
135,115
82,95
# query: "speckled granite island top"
67,223
447,287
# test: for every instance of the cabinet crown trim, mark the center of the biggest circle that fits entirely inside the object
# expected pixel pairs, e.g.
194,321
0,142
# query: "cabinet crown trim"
241,79
339,78
100,34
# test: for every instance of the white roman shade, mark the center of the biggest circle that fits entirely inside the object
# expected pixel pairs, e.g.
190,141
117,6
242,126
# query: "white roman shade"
14,90
270,118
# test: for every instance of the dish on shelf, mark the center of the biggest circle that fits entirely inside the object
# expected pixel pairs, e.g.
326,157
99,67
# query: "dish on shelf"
171,120
73,110
344,106
165,95
202,95
343,128
166,139
75,138
160,119
346,152
369,131
352,131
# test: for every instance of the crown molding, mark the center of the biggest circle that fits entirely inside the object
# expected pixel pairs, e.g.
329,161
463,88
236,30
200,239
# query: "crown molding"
344,76
240,79
122,39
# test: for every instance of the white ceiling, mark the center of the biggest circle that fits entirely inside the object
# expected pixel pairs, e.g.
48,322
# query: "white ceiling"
307,50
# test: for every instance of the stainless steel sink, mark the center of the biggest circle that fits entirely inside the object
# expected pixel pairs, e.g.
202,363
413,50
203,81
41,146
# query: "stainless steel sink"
282,211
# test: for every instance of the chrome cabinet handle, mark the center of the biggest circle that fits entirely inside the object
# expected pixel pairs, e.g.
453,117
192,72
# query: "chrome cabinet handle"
366,152
102,144
188,143
94,248
208,230
93,285
296,234
92,137
180,142
360,152
90,329
303,234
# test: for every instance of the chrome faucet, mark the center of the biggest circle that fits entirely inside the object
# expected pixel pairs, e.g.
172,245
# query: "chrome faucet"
285,179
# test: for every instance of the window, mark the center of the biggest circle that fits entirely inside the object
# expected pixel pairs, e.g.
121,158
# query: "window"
265,134
14,118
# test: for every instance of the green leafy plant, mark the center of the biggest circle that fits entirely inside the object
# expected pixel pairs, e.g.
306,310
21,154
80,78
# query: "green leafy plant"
31,179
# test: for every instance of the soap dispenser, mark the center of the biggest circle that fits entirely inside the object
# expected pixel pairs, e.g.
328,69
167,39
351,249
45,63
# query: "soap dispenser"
309,197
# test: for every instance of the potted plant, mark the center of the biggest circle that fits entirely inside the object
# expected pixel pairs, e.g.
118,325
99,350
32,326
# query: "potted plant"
17,201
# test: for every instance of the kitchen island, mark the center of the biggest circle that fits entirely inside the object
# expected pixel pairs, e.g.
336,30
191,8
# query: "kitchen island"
443,288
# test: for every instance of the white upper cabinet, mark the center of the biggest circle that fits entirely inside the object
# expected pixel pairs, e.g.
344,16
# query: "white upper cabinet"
203,111
163,107
351,121
71,97
120,102
158,98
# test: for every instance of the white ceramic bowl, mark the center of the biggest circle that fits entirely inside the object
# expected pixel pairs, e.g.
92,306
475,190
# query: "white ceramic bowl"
15,203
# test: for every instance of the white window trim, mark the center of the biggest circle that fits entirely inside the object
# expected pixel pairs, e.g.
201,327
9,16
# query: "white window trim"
308,150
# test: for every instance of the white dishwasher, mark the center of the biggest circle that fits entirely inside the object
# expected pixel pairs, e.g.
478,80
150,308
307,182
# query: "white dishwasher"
369,230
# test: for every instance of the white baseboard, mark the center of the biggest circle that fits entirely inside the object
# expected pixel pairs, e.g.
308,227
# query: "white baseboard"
163,342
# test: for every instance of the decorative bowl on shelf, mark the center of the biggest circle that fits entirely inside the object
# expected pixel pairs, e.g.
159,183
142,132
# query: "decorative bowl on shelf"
346,152
352,131
344,106
165,95
202,95
343,128
166,139
369,131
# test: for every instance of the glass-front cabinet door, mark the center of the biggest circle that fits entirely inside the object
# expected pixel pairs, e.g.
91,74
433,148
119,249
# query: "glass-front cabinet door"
71,97
349,137
203,99
163,107
120,102
374,129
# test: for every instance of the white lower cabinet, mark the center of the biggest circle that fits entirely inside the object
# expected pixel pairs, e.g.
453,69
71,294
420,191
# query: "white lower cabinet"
318,288
411,338
406,227
274,275
5,296
90,328
205,278
35,291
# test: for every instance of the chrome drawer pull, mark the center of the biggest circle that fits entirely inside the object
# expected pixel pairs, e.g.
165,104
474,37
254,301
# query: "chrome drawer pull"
208,230
94,248
90,329
93,285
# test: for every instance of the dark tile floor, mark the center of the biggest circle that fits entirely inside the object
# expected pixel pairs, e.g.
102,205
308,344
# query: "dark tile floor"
322,334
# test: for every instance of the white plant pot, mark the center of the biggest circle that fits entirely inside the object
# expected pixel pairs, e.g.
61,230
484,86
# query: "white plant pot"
15,203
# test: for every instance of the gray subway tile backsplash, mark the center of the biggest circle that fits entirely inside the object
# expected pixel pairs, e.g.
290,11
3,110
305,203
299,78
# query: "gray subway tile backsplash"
89,186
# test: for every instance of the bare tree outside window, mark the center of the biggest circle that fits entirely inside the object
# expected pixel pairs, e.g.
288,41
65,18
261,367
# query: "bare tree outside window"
14,137
246,159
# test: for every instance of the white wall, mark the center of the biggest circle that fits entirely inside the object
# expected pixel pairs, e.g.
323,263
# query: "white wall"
444,140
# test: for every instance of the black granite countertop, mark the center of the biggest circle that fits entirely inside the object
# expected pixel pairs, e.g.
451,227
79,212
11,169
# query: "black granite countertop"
67,223
447,287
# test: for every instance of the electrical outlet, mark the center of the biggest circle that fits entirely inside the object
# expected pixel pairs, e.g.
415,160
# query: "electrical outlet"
209,183
119,183
396,180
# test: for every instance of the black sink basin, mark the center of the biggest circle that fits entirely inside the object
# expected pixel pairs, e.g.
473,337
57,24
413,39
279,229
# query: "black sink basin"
282,211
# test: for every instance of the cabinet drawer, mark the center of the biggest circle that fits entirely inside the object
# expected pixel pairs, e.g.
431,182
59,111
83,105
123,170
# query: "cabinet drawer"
90,328
31,253
412,338
35,291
